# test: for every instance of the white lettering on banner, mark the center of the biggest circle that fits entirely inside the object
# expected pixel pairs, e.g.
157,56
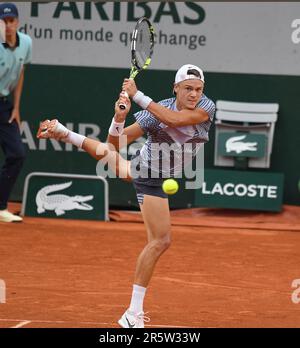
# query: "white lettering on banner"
241,190
26,134
272,191
237,190
226,189
251,191
296,33
217,189
261,189
63,32
87,129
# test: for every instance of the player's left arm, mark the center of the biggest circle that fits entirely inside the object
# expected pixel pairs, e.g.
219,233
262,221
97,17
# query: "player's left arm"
169,117
180,118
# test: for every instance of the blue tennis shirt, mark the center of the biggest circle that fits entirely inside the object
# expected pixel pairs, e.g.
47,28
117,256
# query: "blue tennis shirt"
12,61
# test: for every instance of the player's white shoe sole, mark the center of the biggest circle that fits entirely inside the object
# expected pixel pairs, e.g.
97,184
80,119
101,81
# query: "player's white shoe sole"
133,321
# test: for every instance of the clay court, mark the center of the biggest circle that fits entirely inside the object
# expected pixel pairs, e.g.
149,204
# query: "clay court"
224,269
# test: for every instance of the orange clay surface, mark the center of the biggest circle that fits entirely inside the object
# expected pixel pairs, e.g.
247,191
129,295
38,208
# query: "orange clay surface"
225,268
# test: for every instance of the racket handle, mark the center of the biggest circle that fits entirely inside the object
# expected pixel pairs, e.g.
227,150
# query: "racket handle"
122,106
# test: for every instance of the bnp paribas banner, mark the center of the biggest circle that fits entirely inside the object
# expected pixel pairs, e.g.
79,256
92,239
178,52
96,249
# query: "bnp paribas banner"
253,37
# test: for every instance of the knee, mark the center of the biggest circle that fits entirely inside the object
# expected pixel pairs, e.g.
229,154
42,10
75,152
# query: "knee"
163,244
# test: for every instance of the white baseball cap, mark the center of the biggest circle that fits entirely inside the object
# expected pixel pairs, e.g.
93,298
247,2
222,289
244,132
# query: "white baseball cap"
189,72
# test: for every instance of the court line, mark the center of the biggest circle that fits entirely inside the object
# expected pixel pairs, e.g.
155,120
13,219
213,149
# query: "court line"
21,324
26,322
201,284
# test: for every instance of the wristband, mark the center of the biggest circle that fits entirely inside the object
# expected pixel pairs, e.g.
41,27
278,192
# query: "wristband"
116,128
142,100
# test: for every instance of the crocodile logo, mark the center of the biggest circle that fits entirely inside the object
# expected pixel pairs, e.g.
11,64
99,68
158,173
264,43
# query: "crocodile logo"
236,145
60,203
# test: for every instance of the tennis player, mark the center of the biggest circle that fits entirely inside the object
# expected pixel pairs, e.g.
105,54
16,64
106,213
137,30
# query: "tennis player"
183,119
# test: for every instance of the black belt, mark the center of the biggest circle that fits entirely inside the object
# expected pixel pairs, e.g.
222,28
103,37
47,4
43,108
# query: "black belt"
3,99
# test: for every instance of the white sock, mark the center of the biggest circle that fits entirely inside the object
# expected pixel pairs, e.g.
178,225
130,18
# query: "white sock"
75,139
137,299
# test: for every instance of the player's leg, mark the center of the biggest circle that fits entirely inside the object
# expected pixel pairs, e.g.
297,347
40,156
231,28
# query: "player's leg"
156,216
103,152
106,153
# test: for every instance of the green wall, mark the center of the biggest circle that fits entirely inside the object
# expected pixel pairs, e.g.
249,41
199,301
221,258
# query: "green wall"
87,95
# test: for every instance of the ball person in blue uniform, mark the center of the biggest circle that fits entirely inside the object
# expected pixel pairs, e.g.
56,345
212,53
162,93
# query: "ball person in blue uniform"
15,52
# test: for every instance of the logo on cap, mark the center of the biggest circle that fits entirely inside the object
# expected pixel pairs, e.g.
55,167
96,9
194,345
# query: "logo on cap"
188,72
7,9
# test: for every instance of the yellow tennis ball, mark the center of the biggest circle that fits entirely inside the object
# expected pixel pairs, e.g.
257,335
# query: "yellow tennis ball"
170,186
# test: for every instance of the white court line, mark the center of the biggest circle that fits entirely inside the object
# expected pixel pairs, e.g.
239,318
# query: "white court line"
26,322
21,324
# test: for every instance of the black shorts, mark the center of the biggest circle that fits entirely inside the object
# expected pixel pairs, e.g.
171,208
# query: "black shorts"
151,187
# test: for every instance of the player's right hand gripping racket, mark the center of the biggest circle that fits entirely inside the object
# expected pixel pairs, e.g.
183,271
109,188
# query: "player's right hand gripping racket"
142,43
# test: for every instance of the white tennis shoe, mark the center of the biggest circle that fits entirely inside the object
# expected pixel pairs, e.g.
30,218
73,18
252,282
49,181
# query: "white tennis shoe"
6,216
130,320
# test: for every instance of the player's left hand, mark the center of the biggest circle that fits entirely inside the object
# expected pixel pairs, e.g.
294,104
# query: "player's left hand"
130,87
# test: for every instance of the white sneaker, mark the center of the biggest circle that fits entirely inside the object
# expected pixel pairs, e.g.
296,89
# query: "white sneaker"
6,216
130,320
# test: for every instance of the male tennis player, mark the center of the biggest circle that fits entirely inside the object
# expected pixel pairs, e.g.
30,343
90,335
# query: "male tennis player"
181,120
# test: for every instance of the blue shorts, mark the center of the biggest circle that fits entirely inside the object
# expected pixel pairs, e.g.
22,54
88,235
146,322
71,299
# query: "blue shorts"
151,187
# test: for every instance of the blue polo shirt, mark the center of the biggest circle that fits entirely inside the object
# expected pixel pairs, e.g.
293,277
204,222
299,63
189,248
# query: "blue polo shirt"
12,61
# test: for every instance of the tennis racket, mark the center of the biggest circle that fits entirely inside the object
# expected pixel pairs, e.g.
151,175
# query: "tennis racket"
142,43
2,31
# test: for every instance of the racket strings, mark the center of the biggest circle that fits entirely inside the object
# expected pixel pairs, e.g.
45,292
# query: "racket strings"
143,46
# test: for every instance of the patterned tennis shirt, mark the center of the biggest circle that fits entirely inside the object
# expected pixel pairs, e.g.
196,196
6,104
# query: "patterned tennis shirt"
168,150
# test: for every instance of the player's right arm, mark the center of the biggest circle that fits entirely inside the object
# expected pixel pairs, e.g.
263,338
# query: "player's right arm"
126,135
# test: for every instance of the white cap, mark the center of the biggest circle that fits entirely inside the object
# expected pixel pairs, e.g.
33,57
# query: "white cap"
184,73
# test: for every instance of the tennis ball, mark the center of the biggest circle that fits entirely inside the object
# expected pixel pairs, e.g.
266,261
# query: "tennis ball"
170,186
